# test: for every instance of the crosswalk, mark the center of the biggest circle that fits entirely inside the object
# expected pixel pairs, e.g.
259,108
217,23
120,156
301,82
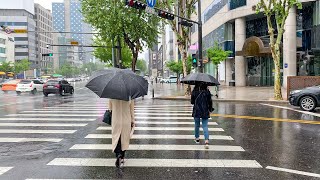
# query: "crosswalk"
159,129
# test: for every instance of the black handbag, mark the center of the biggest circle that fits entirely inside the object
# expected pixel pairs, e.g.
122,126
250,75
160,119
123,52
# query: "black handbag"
107,117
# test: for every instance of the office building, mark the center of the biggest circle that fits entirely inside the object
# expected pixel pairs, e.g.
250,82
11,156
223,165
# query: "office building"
6,47
17,15
68,18
43,18
235,26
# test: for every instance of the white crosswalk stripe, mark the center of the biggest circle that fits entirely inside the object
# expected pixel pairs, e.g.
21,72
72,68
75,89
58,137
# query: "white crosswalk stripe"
42,124
4,169
163,128
47,119
30,140
159,136
206,163
159,147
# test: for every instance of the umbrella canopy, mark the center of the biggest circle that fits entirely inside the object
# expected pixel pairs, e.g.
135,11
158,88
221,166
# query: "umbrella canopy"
196,78
121,84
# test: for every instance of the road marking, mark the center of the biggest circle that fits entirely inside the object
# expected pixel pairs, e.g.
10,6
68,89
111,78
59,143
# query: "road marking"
56,115
43,124
164,129
172,123
287,108
159,136
293,171
31,131
265,119
160,147
29,140
165,118
205,163
100,110
67,111
46,119
4,169
164,114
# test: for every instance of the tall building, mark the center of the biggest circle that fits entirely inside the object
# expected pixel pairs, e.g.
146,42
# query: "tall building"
68,18
236,27
6,47
18,15
43,18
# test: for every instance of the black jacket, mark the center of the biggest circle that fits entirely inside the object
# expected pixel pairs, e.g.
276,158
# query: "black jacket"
202,104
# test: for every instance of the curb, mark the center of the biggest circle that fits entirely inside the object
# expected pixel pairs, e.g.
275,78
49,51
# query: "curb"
225,100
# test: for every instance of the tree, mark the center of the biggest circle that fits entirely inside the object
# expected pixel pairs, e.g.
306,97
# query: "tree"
280,10
105,54
186,8
176,67
90,67
142,65
216,54
21,66
6,67
112,19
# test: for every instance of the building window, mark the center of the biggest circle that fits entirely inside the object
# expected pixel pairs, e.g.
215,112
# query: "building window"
21,46
20,39
21,54
2,50
237,3
213,8
3,59
2,41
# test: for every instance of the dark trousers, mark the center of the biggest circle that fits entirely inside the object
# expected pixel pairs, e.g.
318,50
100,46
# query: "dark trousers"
118,150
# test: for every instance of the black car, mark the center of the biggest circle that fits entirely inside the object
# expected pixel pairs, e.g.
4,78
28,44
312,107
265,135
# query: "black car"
308,99
57,87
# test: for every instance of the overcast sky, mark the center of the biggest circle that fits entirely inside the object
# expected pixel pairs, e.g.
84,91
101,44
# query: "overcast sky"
46,3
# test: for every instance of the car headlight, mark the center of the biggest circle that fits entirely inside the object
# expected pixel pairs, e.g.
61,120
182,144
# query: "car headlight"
295,91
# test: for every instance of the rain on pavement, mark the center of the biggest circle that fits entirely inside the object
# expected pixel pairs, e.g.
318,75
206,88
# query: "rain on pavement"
65,139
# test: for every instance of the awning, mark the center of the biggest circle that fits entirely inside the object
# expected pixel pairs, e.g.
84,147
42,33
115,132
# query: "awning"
254,46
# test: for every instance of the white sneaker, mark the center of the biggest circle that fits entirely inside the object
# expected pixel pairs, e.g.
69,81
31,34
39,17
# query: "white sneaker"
206,146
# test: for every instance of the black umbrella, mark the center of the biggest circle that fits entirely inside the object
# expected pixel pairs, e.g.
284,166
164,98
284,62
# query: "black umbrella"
121,84
197,78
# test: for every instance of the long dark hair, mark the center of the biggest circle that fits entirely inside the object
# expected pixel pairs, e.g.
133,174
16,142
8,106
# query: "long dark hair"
203,87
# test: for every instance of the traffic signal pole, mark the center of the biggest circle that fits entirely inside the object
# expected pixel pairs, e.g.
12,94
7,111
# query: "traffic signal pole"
200,37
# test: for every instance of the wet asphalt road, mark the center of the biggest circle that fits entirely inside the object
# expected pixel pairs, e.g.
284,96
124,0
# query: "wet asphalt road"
267,135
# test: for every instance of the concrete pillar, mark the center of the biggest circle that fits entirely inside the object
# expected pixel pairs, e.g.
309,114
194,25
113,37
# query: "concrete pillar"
228,71
290,46
240,62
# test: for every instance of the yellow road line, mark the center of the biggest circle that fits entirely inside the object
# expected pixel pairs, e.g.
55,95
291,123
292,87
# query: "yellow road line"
265,119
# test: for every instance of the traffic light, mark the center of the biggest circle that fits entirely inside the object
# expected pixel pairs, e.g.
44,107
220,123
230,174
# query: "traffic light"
186,23
136,4
166,15
194,60
49,54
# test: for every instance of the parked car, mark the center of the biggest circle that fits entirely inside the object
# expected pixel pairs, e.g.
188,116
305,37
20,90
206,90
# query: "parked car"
10,85
32,86
61,87
308,99
173,79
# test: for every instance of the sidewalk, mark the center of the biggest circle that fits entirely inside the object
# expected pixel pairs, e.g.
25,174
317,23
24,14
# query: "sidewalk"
225,94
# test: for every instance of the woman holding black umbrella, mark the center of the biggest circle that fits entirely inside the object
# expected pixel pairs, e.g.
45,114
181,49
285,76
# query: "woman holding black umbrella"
201,99
121,87
123,116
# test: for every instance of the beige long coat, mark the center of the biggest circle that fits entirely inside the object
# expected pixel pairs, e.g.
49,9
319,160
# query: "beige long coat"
122,116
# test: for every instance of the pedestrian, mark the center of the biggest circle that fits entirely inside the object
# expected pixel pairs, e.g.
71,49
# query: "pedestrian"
122,123
202,107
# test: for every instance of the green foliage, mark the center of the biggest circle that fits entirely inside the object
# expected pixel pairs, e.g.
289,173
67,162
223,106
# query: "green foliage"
21,66
216,54
280,10
175,66
142,65
6,67
113,19
68,70
105,54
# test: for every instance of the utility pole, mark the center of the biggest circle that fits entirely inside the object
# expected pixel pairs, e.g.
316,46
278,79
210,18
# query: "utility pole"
119,51
113,55
200,37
